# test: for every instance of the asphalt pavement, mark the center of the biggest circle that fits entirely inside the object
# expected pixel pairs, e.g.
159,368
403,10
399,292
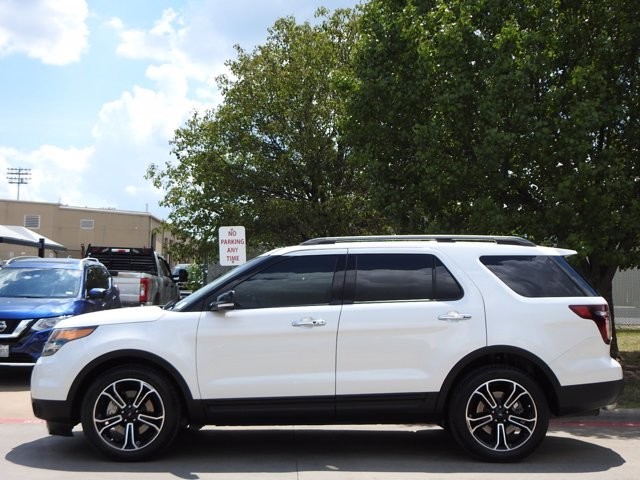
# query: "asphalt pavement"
594,447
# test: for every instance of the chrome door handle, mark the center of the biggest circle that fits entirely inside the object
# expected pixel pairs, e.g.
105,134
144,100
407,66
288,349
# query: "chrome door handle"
309,322
455,316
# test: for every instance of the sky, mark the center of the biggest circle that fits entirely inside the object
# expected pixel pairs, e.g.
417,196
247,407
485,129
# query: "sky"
91,91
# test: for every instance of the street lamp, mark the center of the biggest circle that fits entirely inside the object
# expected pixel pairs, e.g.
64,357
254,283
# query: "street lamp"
19,176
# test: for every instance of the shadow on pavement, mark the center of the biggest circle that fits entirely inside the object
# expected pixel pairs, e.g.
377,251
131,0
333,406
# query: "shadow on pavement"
286,450
14,379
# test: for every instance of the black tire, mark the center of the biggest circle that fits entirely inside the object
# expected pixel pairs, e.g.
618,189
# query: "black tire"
130,413
498,414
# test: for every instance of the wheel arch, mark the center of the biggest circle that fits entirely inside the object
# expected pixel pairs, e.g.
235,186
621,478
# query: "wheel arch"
139,358
519,358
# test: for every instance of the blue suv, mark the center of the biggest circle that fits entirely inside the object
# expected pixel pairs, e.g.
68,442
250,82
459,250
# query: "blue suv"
36,293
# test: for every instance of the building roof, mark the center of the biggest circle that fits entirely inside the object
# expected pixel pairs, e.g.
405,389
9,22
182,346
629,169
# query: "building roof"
17,235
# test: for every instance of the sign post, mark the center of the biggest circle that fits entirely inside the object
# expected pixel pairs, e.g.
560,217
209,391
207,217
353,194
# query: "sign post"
233,246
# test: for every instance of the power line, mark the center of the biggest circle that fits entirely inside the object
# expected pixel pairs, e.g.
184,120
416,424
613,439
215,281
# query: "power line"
18,176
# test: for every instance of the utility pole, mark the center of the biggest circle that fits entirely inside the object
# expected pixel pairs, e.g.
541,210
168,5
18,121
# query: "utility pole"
19,176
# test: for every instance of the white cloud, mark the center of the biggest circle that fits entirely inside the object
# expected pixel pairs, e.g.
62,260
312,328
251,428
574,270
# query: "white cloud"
67,160
180,84
171,40
183,50
144,115
133,130
132,118
157,43
55,173
54,32
132,190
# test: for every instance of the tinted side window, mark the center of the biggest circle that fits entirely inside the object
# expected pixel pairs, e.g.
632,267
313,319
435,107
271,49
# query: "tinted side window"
388,277
538,276
97,278
104,277
164,267
296,281
446,287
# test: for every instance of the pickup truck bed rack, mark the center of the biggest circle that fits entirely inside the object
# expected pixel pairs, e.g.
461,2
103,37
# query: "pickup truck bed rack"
125,259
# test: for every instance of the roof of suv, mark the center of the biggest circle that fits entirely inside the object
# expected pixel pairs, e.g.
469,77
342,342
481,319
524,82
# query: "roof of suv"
71,263
478,244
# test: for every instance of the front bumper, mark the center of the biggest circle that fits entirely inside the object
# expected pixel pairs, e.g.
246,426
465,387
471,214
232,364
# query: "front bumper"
26,351
58,415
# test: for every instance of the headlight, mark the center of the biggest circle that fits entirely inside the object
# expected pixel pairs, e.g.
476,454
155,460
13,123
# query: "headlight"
46,323
62,336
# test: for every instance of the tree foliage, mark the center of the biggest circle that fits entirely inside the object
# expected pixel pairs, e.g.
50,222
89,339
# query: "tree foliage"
460,116
272,156
490,116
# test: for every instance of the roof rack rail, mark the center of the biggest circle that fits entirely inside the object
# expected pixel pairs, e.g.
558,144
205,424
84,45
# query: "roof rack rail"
20,259
499,239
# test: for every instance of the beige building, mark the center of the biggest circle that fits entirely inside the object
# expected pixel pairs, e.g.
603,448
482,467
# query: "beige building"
76,228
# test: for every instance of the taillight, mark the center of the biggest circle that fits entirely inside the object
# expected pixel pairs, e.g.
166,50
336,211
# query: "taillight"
144,290
600,315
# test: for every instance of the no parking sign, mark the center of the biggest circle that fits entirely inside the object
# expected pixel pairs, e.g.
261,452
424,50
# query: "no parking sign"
233,246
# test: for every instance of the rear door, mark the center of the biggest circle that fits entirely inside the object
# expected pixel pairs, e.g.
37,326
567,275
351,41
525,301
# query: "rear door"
408,318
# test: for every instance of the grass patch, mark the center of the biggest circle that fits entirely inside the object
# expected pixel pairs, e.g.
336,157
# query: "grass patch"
629,347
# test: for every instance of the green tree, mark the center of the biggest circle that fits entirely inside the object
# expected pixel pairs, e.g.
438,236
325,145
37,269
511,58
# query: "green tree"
272,156
490,116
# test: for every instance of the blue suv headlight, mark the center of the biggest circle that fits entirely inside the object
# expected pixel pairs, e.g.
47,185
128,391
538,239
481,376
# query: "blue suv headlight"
48,323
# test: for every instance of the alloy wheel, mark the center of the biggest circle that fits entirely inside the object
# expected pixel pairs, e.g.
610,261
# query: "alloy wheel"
501,415
128,414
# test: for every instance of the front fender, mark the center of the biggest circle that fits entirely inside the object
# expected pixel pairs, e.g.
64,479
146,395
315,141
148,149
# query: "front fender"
97,366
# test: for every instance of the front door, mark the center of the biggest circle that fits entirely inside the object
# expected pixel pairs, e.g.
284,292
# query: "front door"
279,341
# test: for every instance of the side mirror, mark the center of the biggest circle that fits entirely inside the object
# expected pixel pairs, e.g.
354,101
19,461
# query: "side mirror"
97,293
183,275
224,302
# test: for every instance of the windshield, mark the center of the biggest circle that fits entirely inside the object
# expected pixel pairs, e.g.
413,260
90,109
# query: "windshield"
40,282
204,291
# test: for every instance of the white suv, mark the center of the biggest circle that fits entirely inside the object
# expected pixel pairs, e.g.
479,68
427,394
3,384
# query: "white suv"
486,336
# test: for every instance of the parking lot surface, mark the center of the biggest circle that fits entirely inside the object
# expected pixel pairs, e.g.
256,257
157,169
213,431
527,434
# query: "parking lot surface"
603,447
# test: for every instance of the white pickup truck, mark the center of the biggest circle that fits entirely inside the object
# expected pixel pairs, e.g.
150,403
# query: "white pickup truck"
141,274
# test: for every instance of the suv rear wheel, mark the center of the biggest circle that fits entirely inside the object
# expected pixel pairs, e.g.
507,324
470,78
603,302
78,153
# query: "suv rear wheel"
130,413
498,414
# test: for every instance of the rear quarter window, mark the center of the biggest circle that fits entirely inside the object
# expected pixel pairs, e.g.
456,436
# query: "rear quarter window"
538,276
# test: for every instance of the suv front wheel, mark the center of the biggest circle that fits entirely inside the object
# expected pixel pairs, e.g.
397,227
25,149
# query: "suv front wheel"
498,414
130,413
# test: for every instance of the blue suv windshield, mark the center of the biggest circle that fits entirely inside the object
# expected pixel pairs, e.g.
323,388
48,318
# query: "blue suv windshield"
40,282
